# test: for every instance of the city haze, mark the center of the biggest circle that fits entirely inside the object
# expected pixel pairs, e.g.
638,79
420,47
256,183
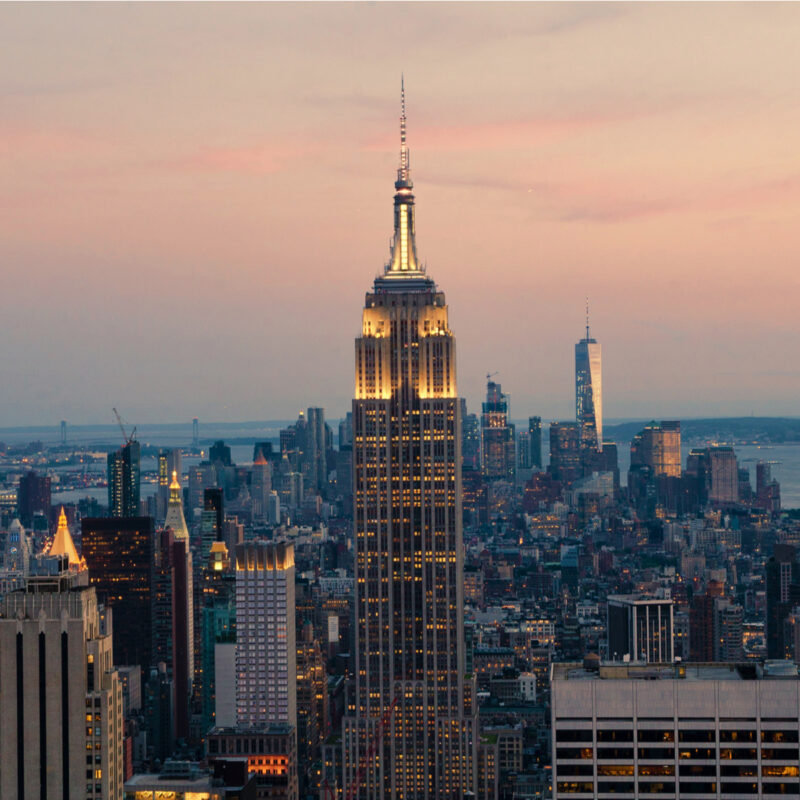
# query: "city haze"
195,199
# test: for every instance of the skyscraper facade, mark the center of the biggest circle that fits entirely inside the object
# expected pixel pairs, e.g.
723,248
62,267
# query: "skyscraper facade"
266,674
589,392
659,448
497,436
565,453
123,480
60,696
409,732
724,476
119,556
33,496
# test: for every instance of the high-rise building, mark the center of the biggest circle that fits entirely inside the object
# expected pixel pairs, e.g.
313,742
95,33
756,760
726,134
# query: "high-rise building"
260,485
119,557
470,439
315,451
724,476
589,391
410,728
123,480
529,447
728,630
535,441
783,594
640,628
565,452
659,448
220,454
195,432
674,730
175,518
768,490
266,682
702,626
211,521
60,696
15,553
33,496
217,604
346,430
173,621
312,702
498,445
169,461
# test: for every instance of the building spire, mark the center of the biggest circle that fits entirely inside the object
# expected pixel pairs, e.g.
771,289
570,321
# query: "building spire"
403,262
587,317
403,172
175,518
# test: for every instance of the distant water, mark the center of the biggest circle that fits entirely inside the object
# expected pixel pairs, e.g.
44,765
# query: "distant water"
786,469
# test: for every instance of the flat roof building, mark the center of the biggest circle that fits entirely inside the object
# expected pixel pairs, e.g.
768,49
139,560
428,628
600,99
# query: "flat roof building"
675,730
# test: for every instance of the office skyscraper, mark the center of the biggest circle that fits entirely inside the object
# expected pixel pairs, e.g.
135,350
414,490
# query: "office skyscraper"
33,496
497,436
783,594
589,391
410,725
565,454
266,682
119,557
60,696
535,441
123,480
724,488
470,439
658,447
173,620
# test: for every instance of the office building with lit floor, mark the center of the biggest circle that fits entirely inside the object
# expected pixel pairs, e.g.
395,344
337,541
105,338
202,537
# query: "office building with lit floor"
675,730
409,731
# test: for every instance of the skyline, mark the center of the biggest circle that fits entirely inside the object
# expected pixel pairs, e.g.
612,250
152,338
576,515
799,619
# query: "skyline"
222,207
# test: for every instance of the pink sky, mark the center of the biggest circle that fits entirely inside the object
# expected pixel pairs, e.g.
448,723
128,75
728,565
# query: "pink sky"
195,198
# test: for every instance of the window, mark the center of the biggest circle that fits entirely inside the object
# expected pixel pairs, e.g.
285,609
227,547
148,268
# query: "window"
737,736
657,736
779,736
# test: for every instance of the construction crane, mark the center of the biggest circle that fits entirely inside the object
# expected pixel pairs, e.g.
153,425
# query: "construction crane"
128,439
369,756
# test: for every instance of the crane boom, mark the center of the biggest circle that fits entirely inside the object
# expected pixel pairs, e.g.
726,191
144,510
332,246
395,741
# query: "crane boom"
128,439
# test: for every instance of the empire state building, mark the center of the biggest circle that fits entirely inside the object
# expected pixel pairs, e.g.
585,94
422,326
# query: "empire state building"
411,726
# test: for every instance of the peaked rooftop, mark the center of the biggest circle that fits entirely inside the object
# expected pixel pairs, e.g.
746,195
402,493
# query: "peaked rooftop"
63,544
175,518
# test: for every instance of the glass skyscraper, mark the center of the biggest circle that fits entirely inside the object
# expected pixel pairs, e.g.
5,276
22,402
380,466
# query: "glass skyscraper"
410,729
589,392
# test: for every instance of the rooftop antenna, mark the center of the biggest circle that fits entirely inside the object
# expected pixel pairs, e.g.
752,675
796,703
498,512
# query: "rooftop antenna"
403,146
587,317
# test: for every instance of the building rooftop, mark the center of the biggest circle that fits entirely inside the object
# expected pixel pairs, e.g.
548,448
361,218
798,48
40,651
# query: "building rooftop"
768,670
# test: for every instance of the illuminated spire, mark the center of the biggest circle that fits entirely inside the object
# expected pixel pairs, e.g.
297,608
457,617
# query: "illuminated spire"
175,518
403,262
63,544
